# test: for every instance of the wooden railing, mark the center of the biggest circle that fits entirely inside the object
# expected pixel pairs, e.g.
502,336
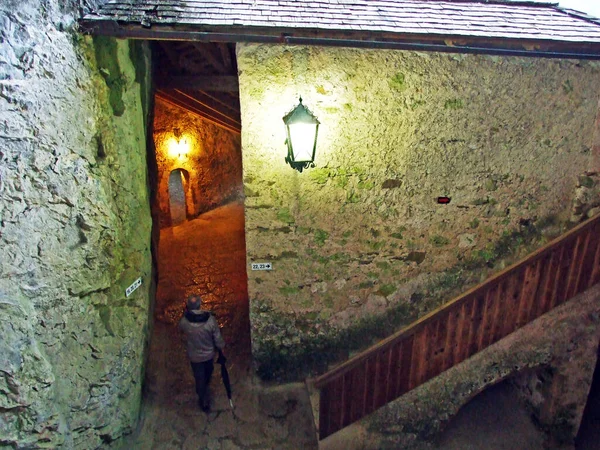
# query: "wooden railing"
466,325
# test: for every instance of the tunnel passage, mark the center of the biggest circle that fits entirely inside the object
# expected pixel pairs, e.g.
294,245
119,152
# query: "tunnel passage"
200,212
200,179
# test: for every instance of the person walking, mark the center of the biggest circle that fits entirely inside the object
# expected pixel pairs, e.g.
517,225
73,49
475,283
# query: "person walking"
202,336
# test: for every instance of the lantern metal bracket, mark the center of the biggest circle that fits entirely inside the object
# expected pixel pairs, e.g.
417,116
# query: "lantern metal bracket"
299,166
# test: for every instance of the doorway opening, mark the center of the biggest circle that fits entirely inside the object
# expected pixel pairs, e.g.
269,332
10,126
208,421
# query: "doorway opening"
199,209
177,193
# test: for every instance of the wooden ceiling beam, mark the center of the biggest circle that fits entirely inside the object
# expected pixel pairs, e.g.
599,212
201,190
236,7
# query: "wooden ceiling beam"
192,97
217,83
230,103
197,110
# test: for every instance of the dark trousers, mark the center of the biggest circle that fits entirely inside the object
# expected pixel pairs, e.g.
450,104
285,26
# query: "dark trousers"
202,373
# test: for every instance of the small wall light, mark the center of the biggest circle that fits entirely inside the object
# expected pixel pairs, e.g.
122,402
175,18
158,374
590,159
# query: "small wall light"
179,146
302,128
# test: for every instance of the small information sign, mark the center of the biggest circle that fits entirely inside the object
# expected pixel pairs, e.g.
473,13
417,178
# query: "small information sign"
136,284
262,266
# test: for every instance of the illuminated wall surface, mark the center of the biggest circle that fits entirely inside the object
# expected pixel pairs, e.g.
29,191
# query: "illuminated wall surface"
359,245
208,156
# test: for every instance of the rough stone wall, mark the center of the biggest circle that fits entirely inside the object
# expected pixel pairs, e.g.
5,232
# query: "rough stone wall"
566,357
74,230
359,244
213,164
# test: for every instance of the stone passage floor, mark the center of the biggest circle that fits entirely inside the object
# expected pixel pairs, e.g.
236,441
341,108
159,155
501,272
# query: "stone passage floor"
206,256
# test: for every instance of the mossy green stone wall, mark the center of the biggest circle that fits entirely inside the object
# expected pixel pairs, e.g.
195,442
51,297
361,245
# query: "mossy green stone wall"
359,245
74,230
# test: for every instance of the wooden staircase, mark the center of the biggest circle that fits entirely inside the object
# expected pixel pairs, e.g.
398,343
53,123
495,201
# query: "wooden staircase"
462,327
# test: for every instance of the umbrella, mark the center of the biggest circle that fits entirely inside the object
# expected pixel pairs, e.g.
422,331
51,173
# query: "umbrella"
225,375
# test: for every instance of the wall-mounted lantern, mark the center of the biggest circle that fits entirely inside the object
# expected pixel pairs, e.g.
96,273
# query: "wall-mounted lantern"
302,128
179,147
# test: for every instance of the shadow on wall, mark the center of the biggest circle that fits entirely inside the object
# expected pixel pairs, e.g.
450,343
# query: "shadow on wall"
525,410
495,419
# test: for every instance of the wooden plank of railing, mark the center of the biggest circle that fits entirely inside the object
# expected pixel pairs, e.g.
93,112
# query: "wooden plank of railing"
588,258
595,275
497,327
452,325
578,269
406,358
546,280
457,330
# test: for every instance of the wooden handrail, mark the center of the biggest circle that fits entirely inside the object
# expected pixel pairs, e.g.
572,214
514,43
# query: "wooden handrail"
455,331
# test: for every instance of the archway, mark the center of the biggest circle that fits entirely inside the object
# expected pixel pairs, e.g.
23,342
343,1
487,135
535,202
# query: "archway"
177,203
496,418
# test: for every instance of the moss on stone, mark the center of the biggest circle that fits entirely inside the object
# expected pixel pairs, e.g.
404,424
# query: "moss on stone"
386,289
586,181
474,223
368,185
297,349
567,86
284,215
342,181
352,197
321,236
140,56
490,184
398,82
249,192
439,241
340,258
455,103
289,290
484,201
320,175
106,57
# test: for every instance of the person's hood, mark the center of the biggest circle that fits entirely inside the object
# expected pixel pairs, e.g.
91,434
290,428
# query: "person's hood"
197,316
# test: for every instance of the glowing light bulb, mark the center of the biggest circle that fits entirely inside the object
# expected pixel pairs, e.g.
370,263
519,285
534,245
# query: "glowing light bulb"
178,148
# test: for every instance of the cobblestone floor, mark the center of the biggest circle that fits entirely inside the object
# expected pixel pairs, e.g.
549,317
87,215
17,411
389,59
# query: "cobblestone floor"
206,256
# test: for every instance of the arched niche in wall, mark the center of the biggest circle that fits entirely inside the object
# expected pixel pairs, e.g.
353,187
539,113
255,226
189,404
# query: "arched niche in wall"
178,183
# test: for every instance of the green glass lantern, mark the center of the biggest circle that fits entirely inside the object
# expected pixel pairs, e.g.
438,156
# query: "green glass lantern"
302,128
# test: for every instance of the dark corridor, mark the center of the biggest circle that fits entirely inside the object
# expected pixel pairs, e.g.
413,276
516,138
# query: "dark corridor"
589,431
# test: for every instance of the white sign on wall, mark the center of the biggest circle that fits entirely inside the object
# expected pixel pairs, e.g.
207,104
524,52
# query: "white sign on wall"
136,284
262,266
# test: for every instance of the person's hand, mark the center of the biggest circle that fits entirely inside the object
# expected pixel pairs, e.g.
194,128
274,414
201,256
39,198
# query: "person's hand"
221,359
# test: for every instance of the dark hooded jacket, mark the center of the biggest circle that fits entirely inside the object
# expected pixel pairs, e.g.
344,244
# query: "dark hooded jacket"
202,334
